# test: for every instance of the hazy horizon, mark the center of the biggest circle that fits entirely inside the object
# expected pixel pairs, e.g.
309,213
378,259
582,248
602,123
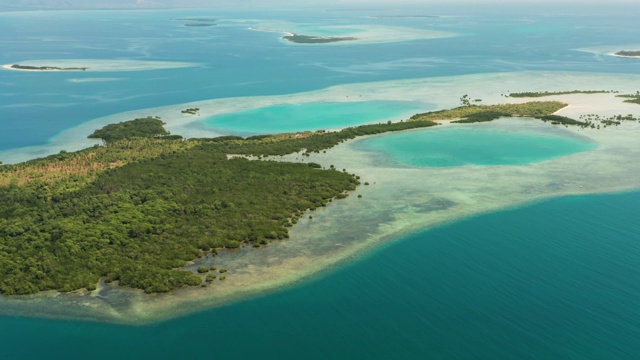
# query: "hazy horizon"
26,5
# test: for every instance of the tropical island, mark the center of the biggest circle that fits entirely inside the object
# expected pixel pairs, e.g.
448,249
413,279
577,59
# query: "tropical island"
197,22
142,207
625,53
191,111
46,68
310,39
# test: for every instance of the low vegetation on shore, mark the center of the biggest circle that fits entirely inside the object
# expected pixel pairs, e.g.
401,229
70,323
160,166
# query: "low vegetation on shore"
47,68
529,94
632,98
469,113
628,53
144,127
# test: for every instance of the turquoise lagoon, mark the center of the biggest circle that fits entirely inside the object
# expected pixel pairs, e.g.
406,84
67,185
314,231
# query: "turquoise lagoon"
458,145
312,116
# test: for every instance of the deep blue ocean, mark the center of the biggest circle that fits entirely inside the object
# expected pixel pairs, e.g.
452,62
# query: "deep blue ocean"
554,280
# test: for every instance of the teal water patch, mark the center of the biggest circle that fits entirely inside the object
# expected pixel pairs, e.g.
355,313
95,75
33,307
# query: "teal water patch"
556,280
472,145
311,116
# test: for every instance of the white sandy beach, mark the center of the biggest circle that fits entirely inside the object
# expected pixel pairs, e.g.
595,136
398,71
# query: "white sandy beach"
10,67
626,56
400,200
363,34
95,65
610,50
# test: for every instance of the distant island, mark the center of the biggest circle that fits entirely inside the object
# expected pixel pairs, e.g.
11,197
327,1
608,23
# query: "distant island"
202,20
310,39
45,68
199,25
198,22
404,16
190,111
624,53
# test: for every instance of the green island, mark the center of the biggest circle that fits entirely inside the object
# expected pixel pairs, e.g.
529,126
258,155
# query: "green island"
628,53
549,93
191,111
144,127
47,68
309,39
140,208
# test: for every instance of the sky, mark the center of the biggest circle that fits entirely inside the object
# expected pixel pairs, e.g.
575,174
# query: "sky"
16,5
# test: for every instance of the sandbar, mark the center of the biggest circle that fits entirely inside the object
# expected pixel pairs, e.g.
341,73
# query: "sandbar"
357,34
96,65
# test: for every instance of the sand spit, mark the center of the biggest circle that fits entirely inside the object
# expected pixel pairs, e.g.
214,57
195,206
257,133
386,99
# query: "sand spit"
611,50
363,34
94,65
400,199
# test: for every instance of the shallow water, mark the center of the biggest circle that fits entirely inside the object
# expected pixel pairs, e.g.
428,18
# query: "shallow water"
234,61
465,145
311,116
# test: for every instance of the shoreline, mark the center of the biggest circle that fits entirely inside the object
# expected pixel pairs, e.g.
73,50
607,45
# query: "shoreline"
97,65
398,202
625,56
10,67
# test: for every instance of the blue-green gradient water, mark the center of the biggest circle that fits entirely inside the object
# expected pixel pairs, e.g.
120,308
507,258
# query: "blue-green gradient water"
234,61
555,280
458,146
311,116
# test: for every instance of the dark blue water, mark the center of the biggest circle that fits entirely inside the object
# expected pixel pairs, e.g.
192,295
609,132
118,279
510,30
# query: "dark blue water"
555,280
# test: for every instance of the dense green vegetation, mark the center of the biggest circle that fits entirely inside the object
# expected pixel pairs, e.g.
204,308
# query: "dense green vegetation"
307,39
140,222
549,93
143,127
138,209
557,119
47,68
628,53
191,111
483,116
607,121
